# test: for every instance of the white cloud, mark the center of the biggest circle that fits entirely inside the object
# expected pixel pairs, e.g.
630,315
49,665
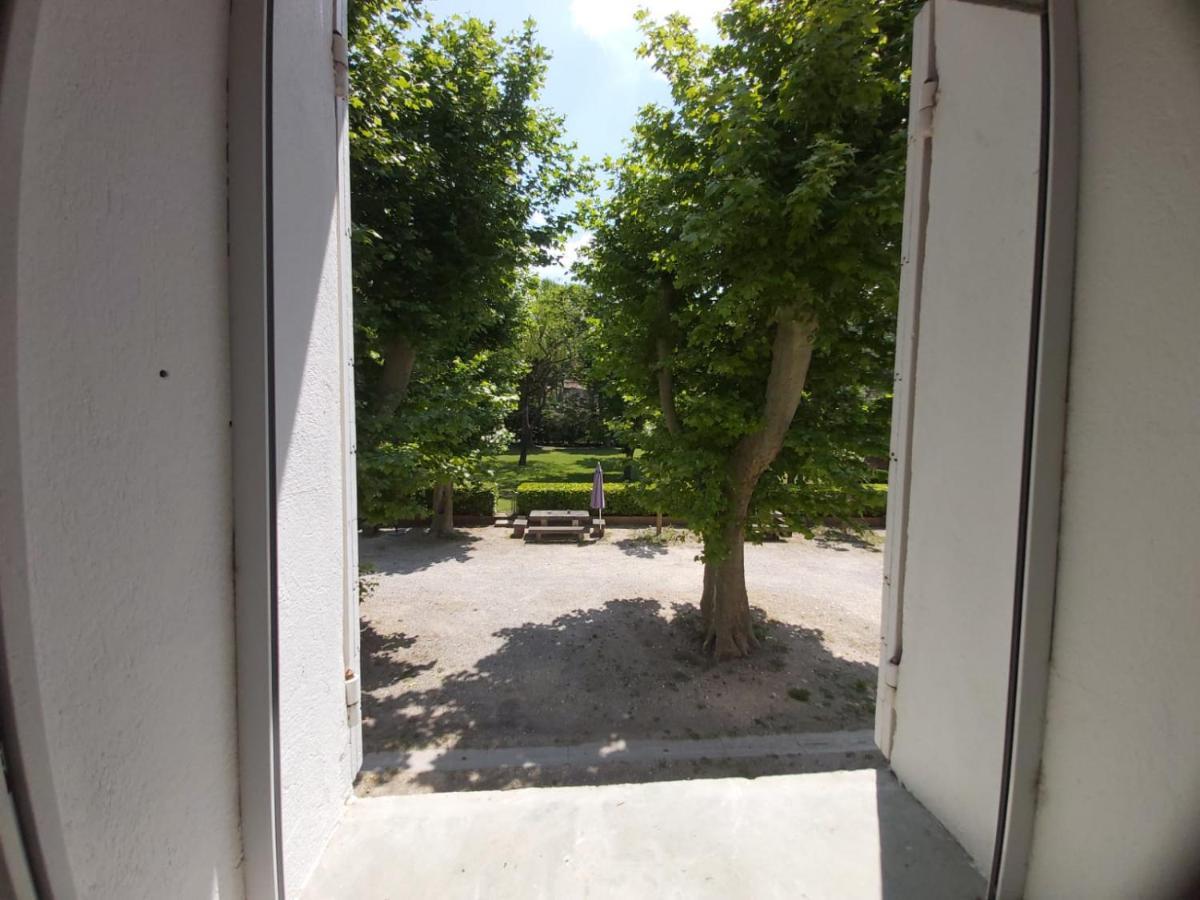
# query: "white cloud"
600,19
611,24
561,271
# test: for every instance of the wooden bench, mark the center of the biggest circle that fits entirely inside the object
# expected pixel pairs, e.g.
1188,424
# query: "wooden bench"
537,532
518,525
558,523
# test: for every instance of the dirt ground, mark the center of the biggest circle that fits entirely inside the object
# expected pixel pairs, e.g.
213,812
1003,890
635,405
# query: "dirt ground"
487,642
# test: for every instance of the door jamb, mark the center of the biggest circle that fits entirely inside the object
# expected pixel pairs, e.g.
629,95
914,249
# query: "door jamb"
251,307
1033,607
923,86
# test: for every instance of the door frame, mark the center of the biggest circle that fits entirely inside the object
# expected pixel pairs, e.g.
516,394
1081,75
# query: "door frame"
1036,574
1052,288
252,373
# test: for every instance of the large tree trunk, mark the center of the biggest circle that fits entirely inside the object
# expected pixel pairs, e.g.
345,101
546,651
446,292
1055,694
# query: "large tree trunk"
724,604
443,510
526,431
397,372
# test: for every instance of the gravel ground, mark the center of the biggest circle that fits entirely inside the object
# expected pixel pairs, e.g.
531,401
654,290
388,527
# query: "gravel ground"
485,641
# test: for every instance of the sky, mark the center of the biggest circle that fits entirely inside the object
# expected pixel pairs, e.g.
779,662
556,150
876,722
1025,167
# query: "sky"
594,79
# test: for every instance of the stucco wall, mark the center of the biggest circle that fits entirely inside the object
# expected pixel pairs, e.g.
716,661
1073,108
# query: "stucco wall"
115,548
1119,806
968,417
317,751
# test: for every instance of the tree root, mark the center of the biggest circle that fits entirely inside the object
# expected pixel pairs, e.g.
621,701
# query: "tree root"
737,645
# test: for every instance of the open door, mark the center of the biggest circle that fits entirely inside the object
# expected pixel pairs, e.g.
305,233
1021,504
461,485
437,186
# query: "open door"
977,413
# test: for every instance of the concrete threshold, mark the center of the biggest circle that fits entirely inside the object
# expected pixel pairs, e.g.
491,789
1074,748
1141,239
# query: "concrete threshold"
842,834
620,751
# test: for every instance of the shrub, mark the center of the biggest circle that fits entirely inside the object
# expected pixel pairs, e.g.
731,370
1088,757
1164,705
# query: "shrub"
621,499
475,500
876,505
638,499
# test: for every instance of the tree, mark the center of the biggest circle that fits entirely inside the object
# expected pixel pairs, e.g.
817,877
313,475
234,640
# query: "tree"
457,176
550,344
448,425
752,233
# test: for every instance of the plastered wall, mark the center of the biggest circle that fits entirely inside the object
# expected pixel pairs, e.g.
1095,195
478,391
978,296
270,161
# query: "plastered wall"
115,453
115,508
317,749
1119,806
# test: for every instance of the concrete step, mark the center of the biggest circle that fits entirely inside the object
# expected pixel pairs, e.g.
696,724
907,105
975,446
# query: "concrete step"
854,835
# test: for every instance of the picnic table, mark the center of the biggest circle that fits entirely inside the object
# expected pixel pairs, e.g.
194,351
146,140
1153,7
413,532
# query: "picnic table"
541,523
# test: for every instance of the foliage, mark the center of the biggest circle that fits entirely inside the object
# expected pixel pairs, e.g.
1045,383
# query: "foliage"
475,500
572,417
641,499
445,431
554,464
553,347
457,176
769,193
368,582
621,499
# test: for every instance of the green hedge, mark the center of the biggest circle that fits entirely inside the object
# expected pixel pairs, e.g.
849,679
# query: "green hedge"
474,501
632,499
621,499
877,506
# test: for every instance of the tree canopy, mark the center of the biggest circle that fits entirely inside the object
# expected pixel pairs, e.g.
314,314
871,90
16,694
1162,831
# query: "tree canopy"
552,345
457,182
752,238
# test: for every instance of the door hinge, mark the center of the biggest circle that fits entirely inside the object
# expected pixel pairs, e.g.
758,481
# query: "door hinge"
928,101
341,67
891,674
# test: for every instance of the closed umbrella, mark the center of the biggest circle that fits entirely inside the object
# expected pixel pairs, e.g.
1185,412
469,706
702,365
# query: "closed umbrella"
598,489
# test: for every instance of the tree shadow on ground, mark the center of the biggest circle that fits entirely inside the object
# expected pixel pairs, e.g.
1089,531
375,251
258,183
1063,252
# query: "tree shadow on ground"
628,670
641,548
381,660
421,550
843,540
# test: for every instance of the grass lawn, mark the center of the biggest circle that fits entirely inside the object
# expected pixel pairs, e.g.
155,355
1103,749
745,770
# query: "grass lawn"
548,464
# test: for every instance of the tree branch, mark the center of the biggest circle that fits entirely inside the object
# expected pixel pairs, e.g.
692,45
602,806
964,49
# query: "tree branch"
397,372
791,354
666,380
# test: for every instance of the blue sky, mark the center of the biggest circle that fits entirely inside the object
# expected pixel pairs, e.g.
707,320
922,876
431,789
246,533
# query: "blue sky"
595,79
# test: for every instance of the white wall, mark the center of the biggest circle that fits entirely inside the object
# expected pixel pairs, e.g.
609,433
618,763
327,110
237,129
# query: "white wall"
116,514
1119,809
317,743
968,417
115,511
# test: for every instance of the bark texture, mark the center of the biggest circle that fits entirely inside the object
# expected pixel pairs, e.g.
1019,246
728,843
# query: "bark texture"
526,431
443,510
662,347
397,371
724,604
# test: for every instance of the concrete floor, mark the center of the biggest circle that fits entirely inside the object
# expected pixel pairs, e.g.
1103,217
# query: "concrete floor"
844,835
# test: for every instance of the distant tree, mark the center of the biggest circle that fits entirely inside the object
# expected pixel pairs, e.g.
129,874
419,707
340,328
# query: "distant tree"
447,427
457,177
551,346
754,230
